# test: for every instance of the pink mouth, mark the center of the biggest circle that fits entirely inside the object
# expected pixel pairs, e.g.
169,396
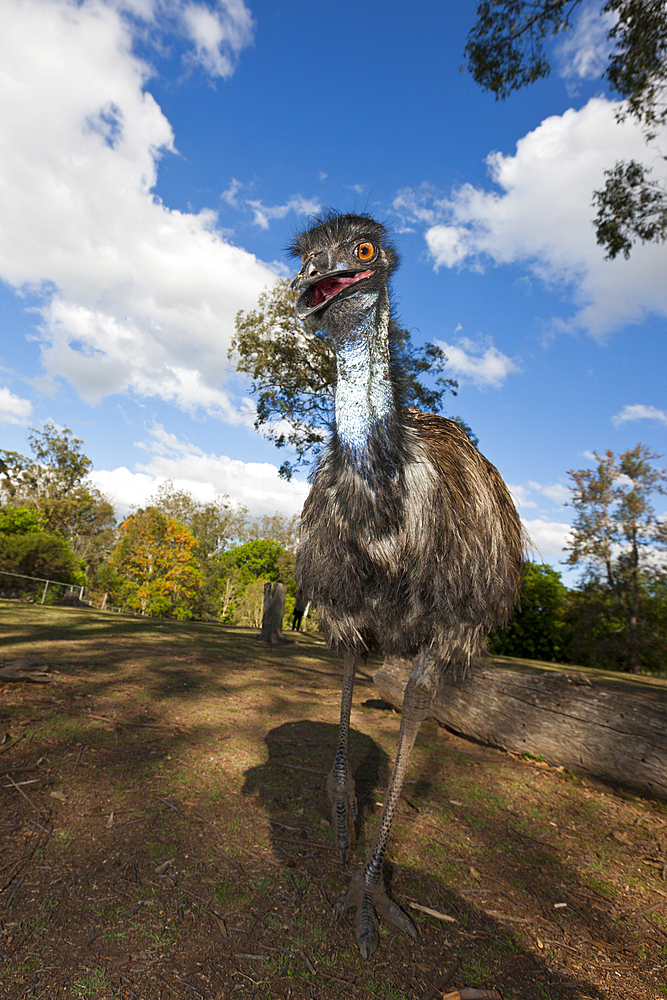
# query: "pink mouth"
327,287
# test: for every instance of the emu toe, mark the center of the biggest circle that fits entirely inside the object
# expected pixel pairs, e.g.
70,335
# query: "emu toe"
343,812
371,900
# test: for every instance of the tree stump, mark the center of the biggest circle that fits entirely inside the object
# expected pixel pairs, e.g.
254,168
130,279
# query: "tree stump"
273,612
615,737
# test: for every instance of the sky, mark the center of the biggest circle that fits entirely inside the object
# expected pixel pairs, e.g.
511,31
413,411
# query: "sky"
156,157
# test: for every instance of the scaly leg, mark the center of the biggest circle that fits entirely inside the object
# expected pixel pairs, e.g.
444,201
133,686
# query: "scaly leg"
340,783
366,890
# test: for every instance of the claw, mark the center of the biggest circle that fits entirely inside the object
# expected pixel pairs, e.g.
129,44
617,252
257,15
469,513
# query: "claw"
371,901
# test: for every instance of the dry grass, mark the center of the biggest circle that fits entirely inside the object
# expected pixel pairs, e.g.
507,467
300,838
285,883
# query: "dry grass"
163,834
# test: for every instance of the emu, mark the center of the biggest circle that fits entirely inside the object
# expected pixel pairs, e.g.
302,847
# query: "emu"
410,542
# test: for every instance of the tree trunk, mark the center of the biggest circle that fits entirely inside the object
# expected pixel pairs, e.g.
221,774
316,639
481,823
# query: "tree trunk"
273,611
615,737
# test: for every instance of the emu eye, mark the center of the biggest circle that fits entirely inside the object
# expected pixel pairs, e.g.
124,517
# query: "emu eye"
364,251
303,258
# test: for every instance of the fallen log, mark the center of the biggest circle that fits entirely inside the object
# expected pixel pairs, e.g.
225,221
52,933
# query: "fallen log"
560,716
25,670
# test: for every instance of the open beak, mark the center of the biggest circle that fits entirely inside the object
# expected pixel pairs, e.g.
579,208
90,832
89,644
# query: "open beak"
318,289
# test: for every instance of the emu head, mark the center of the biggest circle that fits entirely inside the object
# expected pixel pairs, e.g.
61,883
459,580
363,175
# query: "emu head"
344,258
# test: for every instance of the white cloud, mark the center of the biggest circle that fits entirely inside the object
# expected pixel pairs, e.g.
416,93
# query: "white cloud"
135,295
264,213
480,363
541,217
554,491
548,538
218,34
256,485
639,412
522,493
584,50
13,409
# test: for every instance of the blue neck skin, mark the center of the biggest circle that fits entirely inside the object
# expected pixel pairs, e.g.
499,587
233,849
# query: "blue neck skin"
364,396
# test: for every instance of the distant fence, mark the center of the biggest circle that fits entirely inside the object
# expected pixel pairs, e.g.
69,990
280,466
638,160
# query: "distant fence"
40,579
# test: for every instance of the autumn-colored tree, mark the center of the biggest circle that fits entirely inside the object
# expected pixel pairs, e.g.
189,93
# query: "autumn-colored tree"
154,569
617,534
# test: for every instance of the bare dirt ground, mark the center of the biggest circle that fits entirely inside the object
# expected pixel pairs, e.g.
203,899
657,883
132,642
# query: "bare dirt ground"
163,834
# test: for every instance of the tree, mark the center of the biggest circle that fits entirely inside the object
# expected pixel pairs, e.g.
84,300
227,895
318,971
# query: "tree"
27,549
212,524
153,569
293,372
598,630
55,482
243,572
505,52
617,535
537,630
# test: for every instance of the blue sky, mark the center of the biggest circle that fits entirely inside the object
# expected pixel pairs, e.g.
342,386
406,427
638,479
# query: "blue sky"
155,156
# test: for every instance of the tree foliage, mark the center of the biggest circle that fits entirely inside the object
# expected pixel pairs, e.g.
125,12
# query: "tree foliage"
617,535
27,549
233,549
54,481
153,569
506,51
538,629
214,524
599,632
293,373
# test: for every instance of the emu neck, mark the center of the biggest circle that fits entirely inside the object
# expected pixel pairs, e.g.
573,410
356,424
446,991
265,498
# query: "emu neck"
364,393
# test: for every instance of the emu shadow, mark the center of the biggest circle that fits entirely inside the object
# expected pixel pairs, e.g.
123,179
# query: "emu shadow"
291,784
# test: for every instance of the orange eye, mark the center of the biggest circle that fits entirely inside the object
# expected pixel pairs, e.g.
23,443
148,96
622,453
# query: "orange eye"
303,259
365,251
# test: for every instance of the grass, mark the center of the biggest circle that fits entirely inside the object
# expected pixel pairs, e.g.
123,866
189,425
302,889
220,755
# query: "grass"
192,744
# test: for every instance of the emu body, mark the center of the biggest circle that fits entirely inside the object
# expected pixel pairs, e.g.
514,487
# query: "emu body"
410,542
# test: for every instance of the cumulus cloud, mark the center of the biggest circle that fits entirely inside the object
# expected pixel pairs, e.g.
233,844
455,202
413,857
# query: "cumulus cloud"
218,34
638,411
480,363
583,53
13,409
256,485
548,538
540,215
523,493
134,295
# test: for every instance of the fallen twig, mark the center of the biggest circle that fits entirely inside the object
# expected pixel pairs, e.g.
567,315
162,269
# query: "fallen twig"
308,963
433,991
8,746
17,885
304,843
498,915
78,758
636,913
433,913
23,794
171,806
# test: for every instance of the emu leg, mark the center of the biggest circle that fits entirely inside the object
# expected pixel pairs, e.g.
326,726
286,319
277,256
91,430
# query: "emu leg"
340,783
366,890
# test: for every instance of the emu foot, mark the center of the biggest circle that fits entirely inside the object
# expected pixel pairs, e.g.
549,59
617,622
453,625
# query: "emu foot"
371,900
343,812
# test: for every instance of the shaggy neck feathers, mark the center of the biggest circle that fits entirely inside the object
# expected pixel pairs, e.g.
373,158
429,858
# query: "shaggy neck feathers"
364,392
